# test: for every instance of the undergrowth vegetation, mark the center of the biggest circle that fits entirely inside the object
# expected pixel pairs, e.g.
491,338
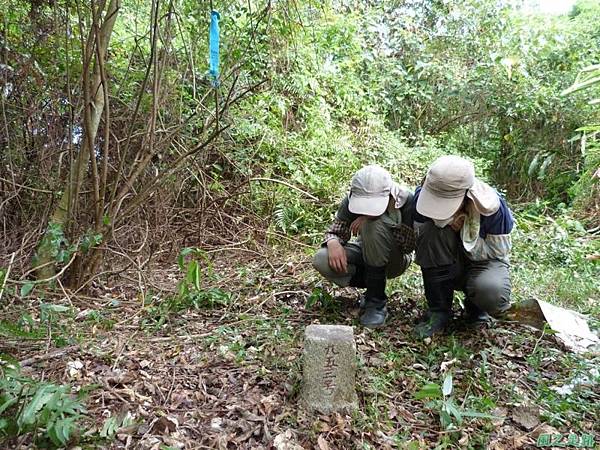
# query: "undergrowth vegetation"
552,261
48,411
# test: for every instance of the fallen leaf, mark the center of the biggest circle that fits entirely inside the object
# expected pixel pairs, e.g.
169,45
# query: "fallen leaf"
544,429
508,352
519,441
74,368
144,363
323,426
526,416
216,423
500,414
286,441
341,423
375,361
165,425
323,445
445,364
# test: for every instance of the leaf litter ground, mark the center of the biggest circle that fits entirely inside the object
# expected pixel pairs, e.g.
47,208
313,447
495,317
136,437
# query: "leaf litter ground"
228,376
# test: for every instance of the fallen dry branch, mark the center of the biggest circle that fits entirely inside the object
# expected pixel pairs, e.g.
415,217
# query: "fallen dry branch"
60,352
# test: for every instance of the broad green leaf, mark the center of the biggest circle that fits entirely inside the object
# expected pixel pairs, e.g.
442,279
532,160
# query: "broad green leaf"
110,427
67,427
128,420
534,165
41,397
445,419
56,433
469,413
54,401
8,404
27,288
53,434
592,128
430,390
193,274
591,68
182,288
60,430
55,308
582,85
544,166
453,410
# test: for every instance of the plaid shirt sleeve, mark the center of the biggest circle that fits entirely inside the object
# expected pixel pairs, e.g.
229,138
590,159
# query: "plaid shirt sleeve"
339,230
404,237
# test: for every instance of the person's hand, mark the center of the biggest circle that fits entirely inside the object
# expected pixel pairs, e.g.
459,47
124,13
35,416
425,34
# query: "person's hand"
356,224
337,256
458,222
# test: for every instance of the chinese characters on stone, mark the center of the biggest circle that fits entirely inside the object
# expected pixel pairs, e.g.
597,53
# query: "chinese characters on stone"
330,369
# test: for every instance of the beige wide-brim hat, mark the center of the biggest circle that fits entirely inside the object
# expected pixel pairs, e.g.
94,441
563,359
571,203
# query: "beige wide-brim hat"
370,191
438,207
449,181
445,187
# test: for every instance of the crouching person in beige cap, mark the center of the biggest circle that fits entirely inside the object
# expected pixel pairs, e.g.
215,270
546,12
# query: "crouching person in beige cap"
463,242
376,210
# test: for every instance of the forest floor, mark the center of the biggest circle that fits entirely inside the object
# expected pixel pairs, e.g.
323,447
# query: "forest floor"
222,368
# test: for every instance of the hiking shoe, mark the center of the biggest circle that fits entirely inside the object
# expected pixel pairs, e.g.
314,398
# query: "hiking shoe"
436,324
374,316
475,316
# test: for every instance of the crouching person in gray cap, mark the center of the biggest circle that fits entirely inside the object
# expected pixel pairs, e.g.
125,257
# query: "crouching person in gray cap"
463,242
378,211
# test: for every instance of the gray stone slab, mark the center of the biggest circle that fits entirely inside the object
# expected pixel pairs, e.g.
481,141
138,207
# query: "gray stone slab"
329,369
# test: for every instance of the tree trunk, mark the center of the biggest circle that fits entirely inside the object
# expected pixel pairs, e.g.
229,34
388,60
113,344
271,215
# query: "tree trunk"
94,94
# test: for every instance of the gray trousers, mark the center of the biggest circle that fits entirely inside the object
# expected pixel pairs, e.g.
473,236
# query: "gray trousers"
374,247
440,254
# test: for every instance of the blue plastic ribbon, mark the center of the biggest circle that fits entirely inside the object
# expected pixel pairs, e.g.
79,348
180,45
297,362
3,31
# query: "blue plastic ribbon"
214,47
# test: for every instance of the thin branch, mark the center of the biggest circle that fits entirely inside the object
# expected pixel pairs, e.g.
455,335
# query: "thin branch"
12,259
140,96
158,180
50,355
285,183
42,191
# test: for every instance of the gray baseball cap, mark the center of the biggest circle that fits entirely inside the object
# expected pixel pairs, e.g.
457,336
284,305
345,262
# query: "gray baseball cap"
370,191
446,184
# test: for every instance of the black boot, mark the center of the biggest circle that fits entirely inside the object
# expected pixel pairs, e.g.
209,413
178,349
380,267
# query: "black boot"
439,292
358,279
375,310
475,316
